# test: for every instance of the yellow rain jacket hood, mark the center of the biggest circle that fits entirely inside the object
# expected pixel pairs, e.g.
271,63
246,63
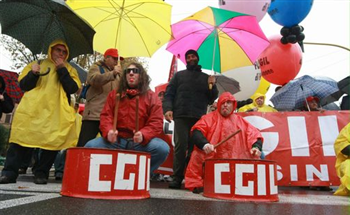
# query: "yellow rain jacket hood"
342,164
43,118
263,108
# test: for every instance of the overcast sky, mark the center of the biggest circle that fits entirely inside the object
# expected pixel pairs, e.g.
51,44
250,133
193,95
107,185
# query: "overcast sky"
327,22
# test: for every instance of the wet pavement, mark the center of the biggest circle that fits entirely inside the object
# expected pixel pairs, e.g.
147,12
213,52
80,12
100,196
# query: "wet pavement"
25,197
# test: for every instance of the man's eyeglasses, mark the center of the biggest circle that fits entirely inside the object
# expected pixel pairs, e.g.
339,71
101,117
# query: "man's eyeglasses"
133,70
61,51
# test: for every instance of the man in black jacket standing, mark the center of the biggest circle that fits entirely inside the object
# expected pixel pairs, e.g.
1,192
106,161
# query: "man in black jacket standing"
185,101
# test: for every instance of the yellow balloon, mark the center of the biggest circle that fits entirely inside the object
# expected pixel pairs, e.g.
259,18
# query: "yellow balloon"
263,87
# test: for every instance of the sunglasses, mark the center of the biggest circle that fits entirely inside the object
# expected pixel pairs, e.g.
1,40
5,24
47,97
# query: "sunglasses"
133,70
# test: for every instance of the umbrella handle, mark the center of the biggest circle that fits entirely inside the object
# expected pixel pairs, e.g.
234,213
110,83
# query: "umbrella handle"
115,119
210,86
137,114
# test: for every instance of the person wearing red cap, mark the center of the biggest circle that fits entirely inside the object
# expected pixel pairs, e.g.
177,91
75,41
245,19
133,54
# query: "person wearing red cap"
103,77
214,127
311,104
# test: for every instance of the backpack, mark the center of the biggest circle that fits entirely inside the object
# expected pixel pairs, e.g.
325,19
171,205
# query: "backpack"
87,86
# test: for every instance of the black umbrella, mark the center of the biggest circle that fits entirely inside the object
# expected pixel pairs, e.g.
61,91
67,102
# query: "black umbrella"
81,72
227,84
344,88
36,23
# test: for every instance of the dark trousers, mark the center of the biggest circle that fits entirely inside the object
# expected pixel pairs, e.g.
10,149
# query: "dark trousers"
27,159
89,131
183,146
14,158
60,161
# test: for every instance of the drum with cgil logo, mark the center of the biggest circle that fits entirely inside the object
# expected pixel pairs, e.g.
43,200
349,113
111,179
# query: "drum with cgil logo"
106,174
240,179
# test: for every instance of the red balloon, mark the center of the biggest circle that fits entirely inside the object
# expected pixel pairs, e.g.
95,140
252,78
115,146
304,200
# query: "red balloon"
280,63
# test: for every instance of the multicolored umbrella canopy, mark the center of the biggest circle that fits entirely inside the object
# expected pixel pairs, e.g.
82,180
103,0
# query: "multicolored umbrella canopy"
224,39
137,28
36,23
12,86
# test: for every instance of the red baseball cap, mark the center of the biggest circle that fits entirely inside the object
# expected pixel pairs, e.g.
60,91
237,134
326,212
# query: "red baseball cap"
112,52
310,98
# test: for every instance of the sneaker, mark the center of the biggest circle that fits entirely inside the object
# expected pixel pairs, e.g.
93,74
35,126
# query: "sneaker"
6,180
38,180
168,178
157,177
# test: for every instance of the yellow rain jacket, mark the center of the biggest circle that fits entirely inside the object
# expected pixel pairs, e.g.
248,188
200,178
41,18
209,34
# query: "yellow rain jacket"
263,108
342,164
43,118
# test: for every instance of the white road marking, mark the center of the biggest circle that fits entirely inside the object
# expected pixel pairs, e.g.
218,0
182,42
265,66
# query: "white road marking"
40,193
31,198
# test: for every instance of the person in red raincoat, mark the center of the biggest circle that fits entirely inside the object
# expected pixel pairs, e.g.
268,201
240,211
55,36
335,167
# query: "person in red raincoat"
215,127
134,82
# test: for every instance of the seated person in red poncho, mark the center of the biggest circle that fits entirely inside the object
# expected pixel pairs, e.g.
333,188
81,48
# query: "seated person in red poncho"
215,127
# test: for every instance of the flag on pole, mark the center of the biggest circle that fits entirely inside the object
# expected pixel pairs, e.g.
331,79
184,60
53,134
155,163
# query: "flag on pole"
173,67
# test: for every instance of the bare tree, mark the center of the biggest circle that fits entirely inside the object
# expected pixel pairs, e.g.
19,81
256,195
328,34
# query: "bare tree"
21,56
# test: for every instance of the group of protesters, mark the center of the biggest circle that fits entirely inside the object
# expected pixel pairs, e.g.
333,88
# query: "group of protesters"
45,119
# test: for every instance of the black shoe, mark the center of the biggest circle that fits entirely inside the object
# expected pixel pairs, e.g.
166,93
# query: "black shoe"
22,171
175,184
197,190
58,176
6,180
324,188
38,180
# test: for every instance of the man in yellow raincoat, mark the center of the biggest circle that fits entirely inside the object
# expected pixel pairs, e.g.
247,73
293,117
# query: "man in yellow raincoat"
43,119
342,165
258,105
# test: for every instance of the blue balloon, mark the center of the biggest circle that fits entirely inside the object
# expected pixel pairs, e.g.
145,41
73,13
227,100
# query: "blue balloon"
289,12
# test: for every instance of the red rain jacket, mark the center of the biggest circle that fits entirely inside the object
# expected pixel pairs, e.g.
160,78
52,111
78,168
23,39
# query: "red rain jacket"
215,128
150,116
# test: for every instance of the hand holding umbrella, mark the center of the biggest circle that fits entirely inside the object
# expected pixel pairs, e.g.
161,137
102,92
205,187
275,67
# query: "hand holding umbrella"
211,81
113,133
36,69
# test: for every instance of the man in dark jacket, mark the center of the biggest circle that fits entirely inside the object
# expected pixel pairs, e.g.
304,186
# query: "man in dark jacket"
185,101
6,103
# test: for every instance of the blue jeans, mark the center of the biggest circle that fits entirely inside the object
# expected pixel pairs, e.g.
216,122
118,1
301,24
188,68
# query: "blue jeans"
158,148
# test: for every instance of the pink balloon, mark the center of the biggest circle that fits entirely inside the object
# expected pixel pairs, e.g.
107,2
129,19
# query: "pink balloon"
257,8
280,63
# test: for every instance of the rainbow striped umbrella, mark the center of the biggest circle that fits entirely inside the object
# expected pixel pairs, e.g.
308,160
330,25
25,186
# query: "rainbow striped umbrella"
223,39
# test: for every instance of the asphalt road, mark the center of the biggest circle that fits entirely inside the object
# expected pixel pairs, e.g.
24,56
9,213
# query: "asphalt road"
25,197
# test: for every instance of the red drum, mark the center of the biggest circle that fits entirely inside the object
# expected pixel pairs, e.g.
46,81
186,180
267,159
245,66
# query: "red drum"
106,174
240,179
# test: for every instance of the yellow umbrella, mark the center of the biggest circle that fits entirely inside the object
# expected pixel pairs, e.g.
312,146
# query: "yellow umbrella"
137,28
